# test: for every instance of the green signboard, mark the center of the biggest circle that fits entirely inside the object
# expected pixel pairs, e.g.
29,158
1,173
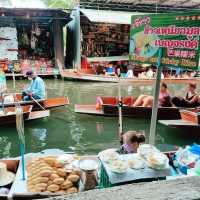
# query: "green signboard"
176,33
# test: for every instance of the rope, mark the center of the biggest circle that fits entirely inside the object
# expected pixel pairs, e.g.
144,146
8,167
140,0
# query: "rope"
20,131
20,123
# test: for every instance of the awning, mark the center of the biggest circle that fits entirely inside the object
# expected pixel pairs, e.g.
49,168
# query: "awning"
22,4
141,5
106,16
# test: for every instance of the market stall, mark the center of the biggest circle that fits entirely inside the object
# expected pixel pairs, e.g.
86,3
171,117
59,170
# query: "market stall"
101,36
32,39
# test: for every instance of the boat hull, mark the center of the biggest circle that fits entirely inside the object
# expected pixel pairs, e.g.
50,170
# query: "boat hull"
191,116
11,118
49,103
128,111
78,76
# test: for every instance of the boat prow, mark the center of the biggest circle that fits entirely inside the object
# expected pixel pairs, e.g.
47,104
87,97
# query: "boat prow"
87,109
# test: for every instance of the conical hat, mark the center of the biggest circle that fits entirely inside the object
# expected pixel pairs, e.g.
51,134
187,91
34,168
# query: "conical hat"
6,177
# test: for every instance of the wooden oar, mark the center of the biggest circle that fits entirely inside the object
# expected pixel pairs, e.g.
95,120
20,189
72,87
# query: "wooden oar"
38,103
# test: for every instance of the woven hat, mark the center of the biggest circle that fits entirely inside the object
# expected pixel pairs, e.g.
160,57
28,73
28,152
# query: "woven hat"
6,177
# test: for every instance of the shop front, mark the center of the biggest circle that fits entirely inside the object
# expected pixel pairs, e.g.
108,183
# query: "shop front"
32,39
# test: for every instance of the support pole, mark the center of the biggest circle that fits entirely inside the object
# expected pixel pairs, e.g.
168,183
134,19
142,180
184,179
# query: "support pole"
120,130
22,151
155,102
13,74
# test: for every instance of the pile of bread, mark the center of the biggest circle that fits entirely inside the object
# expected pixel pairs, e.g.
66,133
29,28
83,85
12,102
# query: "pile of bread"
48,175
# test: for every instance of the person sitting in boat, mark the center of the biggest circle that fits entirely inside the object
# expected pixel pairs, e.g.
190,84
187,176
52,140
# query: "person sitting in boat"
131,141
147,101
110,70
191,99
36,89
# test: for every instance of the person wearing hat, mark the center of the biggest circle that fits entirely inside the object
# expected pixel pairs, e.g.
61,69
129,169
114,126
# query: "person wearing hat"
36,89
191,99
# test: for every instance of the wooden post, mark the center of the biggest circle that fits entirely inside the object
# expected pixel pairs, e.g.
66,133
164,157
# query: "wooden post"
120,130
156,99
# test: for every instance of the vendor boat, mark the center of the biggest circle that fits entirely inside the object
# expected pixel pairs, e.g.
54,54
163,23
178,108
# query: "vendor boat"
108,106
18,188
89,75
48,103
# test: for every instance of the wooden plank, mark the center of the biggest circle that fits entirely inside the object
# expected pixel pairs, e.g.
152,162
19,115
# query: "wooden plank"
39,114
87,109
178,123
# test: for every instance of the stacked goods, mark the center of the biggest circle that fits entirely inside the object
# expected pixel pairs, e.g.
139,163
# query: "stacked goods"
49,175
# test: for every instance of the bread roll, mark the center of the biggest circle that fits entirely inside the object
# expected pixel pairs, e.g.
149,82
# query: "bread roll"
61,172
67,184
58,181
73,178
53,188
45,173
72,190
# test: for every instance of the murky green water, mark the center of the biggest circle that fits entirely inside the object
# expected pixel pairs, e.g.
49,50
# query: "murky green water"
69,131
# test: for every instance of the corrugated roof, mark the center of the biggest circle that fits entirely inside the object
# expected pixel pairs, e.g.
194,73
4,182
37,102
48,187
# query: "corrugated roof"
107,16
22,4
141,5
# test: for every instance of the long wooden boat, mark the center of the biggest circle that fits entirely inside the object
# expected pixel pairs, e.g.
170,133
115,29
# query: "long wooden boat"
108,106
48,103
8,116
81,76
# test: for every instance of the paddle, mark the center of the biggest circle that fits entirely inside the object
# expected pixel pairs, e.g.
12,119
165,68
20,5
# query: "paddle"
37,103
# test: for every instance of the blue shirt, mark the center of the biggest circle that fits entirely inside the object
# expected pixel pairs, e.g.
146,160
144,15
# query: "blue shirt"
37,87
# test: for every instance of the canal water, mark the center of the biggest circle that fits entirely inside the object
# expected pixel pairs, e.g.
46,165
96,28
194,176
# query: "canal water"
86,134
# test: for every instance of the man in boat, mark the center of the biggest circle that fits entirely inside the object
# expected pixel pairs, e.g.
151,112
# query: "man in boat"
191,99
36,89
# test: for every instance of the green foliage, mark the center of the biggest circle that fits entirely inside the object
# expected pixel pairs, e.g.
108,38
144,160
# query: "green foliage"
59,3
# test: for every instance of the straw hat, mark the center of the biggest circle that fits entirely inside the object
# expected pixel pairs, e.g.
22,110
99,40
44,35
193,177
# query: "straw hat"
6,177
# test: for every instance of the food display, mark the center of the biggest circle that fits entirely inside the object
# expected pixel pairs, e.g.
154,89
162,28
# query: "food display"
118,166
158,160
109,155
145,150
136,162
49,175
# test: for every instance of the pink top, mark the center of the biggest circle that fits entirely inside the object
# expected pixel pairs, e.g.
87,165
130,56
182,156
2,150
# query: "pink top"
162,97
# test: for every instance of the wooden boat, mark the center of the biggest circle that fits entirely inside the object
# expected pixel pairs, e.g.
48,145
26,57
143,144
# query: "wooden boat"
48,103
191,115
82,75
14,165
9,114
108,106
190,120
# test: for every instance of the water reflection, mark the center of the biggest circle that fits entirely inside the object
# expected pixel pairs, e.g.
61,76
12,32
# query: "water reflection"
5,145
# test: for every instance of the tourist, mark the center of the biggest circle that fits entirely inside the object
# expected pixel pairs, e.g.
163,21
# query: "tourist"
36,89
129,73
150,73
191,99
131,141
147,100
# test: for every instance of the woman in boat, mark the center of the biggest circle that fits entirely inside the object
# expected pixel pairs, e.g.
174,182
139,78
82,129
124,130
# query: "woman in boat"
191,99
147,101
131,141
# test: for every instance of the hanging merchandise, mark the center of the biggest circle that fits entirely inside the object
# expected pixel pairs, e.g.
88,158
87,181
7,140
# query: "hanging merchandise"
33,41
37,30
